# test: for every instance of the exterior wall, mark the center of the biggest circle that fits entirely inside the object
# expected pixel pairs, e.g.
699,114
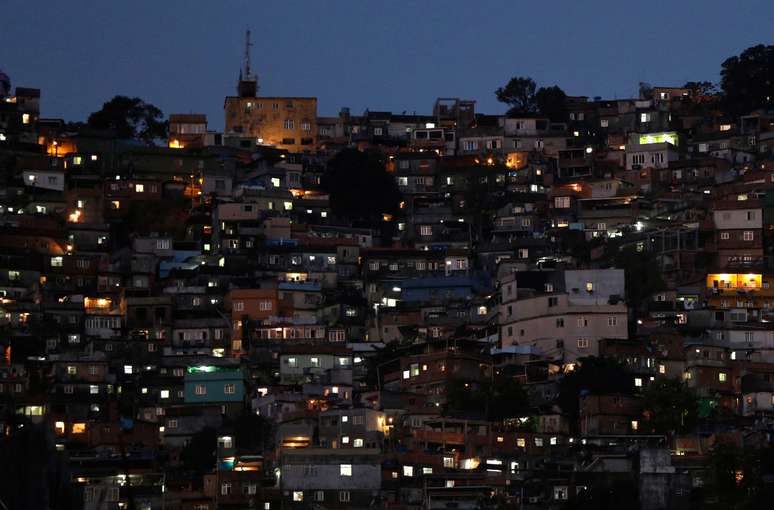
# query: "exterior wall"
727,219
214,383
758,402
265,118
570,323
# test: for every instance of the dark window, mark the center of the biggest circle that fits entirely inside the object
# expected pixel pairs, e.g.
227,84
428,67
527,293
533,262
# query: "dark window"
288,141
307,141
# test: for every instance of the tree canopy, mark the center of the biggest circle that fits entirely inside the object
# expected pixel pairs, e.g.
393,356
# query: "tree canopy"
670,406
523,97
130,117
199,454
747,80
519,94
499,399
360,186
552,102
593,376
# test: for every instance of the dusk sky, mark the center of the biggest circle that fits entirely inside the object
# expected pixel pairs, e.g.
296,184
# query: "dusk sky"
184,56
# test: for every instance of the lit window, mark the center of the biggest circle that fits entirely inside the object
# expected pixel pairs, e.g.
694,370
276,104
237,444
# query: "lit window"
72,370
408,470
164,394
201,389
589,287
635,425
298,496
25,118
722,377
139,188
345,469
358,443
79,428
638,382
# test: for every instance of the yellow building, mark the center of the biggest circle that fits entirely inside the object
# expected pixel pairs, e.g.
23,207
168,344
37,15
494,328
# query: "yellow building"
285,122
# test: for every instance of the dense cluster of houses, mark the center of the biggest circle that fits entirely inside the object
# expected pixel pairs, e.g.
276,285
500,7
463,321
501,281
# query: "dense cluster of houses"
194,326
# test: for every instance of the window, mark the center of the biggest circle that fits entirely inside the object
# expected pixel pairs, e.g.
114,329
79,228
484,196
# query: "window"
225,488
722,377
408,471
748,235
426,230
645,117
638,382
264,305
724,236
139,188
201,389
297,495
319,496
164,394
604,123
162,244
288,124
553,301
56,261
315,362
612,321
239,306
358,443
345,469
562,202
583,343
583,322
560,323
292,362
112,494
344,496
72,370
229,389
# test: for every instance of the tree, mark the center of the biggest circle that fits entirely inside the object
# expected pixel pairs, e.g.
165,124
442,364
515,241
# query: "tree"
199,454
701,89
552,103
360,186
747,80
252,432
593,376
671,406
495,400
736,477
646,90
130,117
519,94
642,274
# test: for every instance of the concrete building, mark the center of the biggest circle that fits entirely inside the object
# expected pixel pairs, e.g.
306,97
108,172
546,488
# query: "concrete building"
563,314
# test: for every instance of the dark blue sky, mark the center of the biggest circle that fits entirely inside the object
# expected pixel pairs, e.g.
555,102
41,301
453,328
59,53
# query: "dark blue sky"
184,55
